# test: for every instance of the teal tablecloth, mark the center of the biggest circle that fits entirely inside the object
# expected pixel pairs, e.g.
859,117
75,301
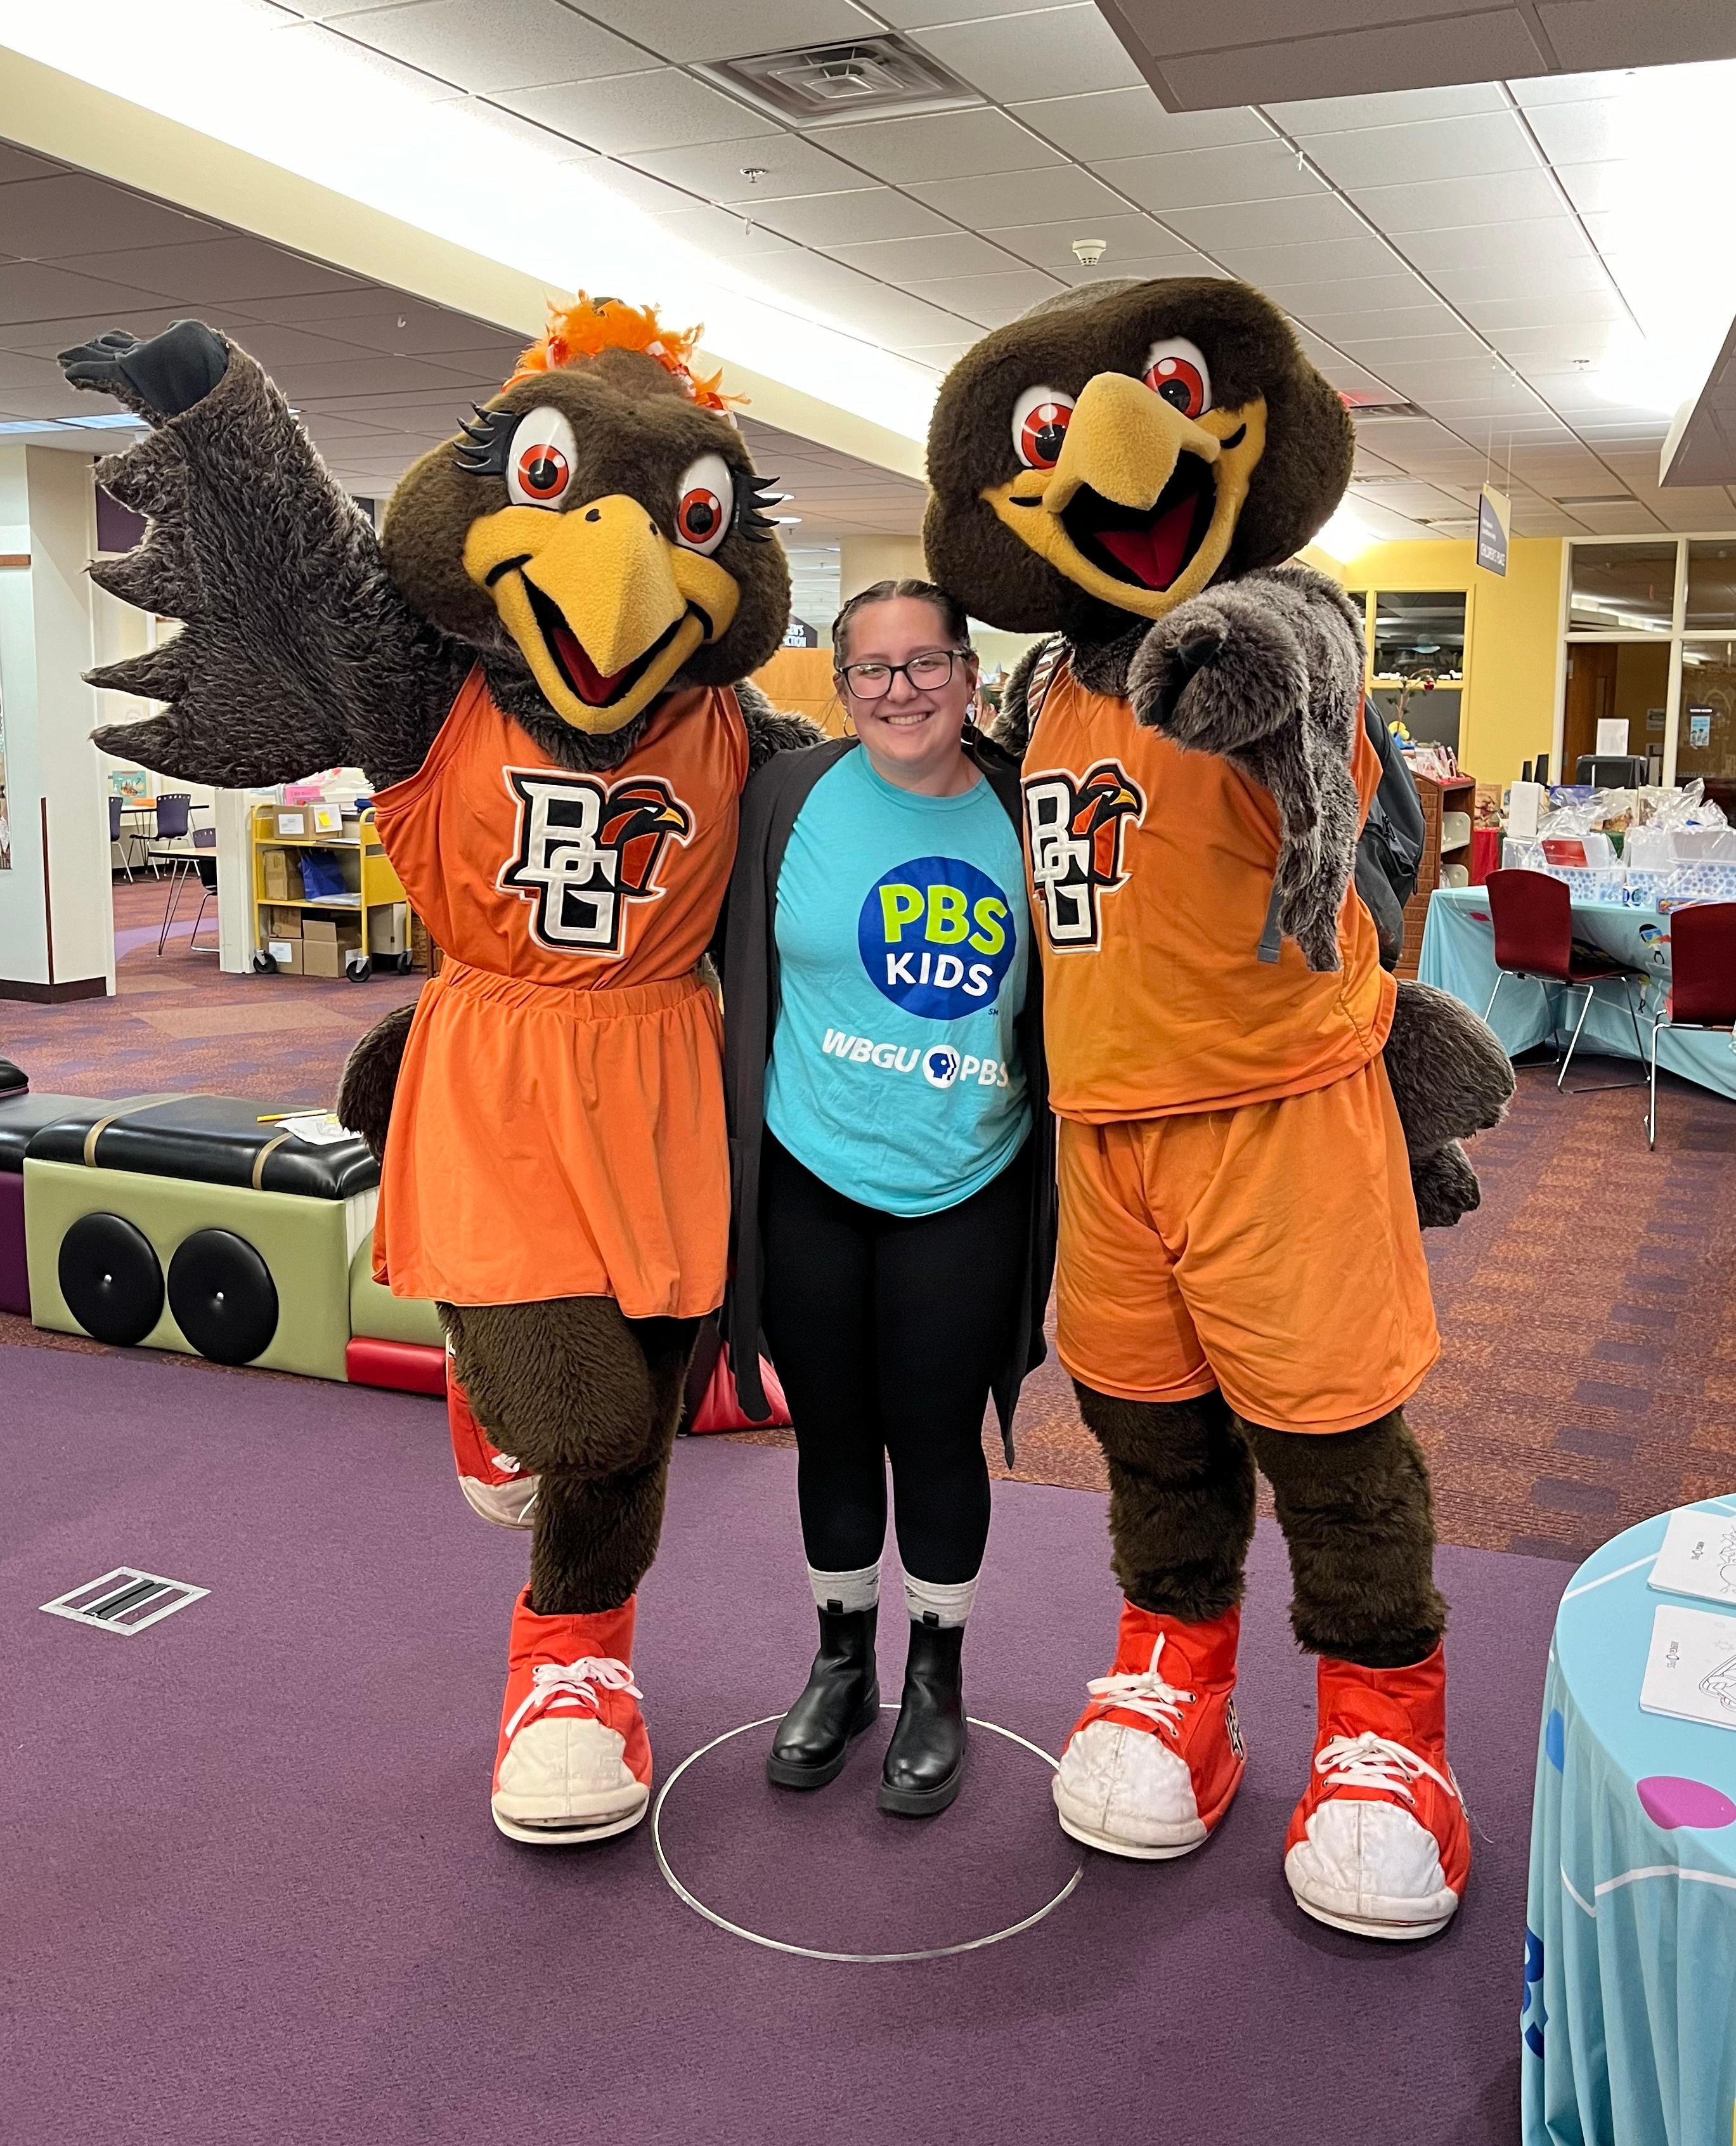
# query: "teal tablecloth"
1629,2028
1459,955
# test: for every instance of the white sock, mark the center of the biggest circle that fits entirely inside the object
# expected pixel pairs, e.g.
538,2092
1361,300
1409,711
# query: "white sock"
937,1602
843,1591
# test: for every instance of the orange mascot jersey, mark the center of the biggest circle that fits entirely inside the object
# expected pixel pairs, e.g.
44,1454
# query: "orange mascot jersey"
558,1126
1160,862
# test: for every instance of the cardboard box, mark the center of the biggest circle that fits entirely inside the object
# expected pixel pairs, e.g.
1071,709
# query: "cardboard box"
323,820
388,930
280,876
288,955
292,823
321,958
282,923
322,928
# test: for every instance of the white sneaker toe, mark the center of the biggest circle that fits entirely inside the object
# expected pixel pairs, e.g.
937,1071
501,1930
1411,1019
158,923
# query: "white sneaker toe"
1124,1790
566,1778
1372,1869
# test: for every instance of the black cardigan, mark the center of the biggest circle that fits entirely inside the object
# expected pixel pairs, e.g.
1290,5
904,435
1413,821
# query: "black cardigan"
769,810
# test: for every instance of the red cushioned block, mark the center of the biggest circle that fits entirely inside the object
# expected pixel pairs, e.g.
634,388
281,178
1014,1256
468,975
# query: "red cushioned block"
409,1367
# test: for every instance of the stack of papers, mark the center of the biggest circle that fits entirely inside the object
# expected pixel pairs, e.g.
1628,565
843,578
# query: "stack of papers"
1690,1671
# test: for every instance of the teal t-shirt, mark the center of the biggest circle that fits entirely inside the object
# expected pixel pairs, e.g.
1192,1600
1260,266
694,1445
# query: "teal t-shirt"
902,939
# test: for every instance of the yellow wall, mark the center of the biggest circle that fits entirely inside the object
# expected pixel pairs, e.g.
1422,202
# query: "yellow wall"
1512,633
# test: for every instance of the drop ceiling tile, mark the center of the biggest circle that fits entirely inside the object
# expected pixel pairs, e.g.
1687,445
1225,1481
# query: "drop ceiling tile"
1150,268
1607,184
1545,309
1501,281
631,114
1337,260
1064,51
1631,521
277,348
1131,122
1303,219
32,291
1466,147
867,308
71,213
1451,204
1584,133
481,46
36,387
1491,45
1043,196
1548,240
414,329
639,189
1128,235
938,357
1419,501
47,338
1372,298
956,145
716,171
862,217
987,300
1209,178
1379,352
950,253
1592,33
238,270
1327,314
724,234
364,372
15,164
1558,344
720,29
1400,107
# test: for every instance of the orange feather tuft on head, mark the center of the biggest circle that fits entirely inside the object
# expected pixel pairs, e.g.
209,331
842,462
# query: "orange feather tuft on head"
591,325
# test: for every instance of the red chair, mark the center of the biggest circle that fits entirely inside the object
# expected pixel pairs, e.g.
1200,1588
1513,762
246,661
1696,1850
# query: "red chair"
1534,920
1702,980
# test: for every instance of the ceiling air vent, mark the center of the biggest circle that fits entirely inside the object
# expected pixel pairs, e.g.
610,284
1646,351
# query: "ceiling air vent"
826,84
1362,406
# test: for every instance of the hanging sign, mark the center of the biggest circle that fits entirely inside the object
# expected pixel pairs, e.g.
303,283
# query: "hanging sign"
1494,516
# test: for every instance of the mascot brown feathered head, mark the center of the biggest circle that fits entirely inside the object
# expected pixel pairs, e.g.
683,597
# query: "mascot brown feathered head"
600,516
1119,448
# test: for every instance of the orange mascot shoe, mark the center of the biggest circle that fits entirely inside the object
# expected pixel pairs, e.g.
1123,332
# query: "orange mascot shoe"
574,1762
494,1484
1379,1844
1153,1760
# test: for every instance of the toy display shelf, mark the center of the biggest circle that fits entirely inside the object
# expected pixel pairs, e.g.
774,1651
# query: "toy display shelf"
372,885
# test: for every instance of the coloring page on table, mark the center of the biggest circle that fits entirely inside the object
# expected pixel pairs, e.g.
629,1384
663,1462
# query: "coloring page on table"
1698,1557
1691,1669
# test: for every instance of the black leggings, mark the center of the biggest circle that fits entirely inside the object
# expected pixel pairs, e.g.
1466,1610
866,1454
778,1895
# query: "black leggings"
886,1333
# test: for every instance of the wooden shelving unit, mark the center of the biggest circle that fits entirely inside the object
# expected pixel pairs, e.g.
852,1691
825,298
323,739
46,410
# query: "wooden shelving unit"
1437,799
373,884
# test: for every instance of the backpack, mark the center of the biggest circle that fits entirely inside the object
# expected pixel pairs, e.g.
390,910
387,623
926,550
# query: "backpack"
1390,849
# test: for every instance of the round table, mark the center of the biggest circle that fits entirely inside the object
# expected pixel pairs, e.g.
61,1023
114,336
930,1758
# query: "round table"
1629,2025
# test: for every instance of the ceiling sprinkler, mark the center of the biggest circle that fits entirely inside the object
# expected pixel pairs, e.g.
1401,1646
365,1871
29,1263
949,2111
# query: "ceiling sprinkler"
1089,251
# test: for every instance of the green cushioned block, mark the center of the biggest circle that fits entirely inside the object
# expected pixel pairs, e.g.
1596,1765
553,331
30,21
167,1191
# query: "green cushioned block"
381,1317
306,1244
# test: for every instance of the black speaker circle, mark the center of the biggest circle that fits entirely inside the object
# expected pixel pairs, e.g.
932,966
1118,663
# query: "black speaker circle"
223,1296
110,1279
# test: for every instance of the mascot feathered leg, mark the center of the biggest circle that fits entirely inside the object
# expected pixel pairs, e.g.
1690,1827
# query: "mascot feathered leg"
542,673
1255,1121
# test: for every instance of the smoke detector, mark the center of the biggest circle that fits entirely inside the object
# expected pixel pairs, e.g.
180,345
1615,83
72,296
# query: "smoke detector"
1089,251
879,77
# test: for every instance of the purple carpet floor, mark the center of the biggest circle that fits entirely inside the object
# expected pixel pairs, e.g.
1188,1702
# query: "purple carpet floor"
249,1891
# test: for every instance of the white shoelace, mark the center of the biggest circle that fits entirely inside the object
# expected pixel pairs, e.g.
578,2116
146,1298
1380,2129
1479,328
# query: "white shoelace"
1143,1691
577,1684
1369,1761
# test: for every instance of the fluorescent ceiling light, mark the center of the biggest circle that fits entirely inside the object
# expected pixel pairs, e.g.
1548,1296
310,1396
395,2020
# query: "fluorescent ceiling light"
291,93
96,424
1344,536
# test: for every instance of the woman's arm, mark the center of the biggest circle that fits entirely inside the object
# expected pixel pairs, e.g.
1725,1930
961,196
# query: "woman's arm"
297,652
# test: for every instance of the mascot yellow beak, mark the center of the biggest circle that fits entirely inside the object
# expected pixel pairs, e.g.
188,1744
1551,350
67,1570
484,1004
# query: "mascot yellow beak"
1142,502
604,608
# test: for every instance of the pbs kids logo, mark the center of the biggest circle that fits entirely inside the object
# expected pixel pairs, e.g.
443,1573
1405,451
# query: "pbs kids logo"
936,937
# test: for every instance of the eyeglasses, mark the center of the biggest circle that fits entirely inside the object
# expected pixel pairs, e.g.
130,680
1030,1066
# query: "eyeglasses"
873,681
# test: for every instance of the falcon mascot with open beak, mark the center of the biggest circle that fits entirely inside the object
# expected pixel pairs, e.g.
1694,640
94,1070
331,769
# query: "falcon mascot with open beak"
540,669
1241,1277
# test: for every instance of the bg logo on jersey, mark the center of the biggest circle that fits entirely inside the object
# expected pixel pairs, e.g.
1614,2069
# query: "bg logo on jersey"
585,848
936,936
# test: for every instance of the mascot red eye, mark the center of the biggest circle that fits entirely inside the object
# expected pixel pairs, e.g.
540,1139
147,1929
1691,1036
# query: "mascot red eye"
704,503
541,459
1041,419
1176,370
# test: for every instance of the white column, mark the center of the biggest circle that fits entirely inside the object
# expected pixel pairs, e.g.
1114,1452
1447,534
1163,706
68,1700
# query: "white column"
235,879
56,921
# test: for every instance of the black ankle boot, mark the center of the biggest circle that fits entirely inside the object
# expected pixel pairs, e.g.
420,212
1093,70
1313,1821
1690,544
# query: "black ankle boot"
925,1760
841,1699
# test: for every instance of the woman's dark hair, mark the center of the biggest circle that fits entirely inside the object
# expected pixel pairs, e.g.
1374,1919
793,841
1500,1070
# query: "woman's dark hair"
954,622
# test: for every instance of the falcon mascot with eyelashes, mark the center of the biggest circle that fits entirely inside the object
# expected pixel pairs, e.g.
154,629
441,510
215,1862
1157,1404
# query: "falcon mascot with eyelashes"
541,670
1254,1117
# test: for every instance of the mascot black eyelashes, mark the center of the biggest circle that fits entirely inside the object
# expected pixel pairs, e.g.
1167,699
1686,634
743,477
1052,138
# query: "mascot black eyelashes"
1253,1118
541,670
